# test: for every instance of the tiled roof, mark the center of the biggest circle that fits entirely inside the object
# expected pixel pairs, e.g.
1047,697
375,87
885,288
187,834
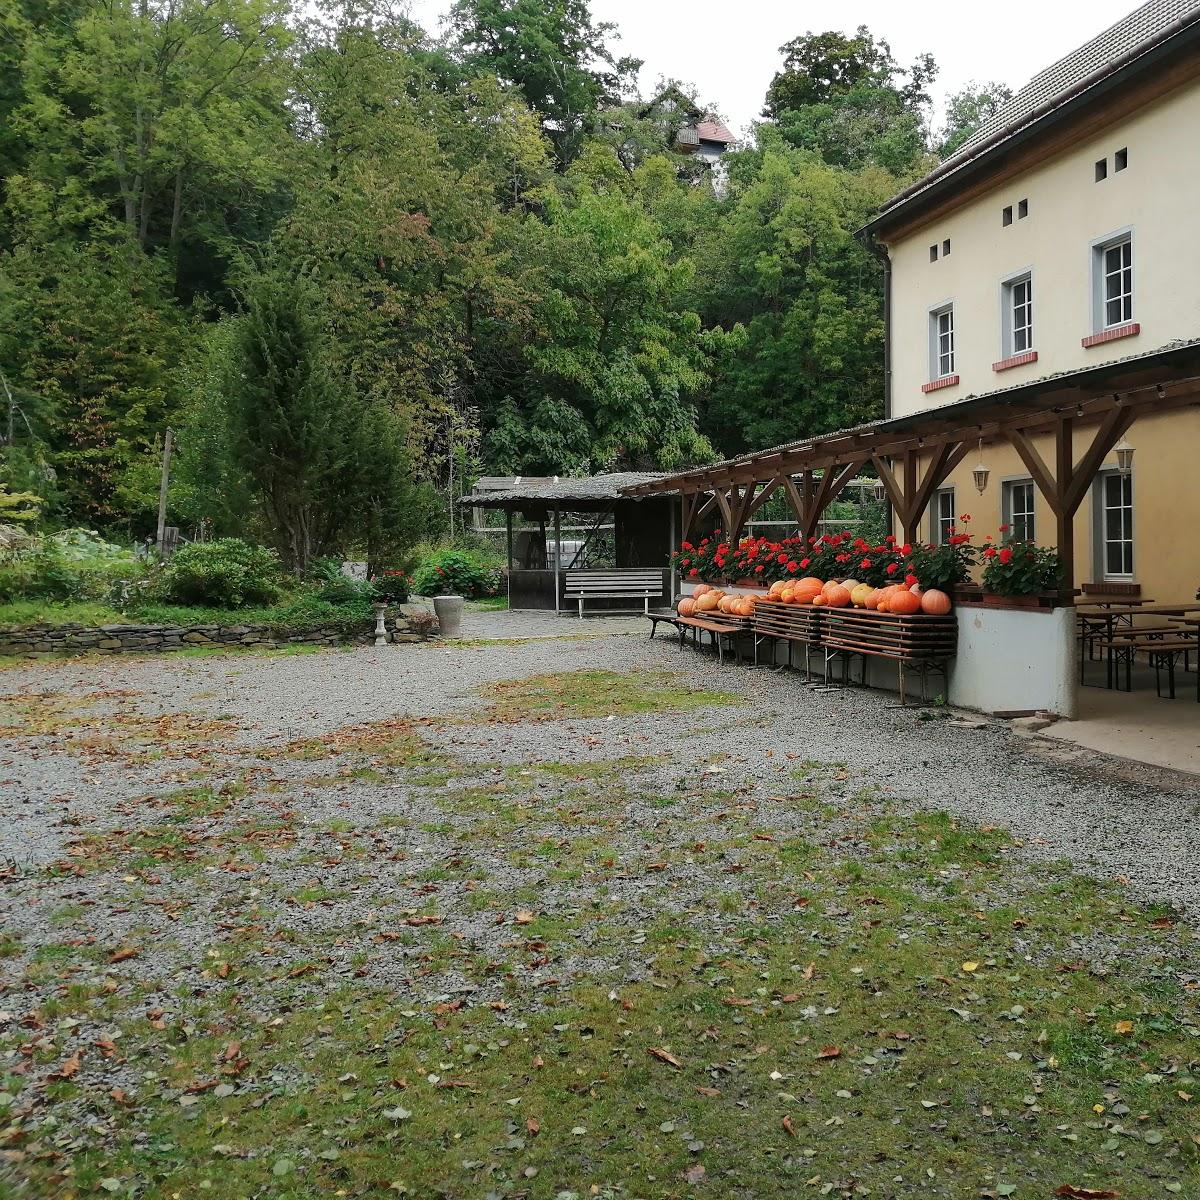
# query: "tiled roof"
1150,21
1135,34
713,130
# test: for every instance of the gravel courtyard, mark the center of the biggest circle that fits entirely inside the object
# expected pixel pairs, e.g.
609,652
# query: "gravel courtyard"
558,911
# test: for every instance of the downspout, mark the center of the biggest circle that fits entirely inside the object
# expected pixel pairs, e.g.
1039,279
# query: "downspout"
881,252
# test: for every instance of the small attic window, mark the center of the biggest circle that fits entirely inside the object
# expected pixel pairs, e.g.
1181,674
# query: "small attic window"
945,247
1121,159
1101,169
1022,209
1006,215
933,253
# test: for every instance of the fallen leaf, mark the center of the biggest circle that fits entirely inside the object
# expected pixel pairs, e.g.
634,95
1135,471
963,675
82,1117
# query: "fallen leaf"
121,955
830,1052
969,967
524,917
69,1068
1079,1193
664,1056
694,1173
1123,1027
533,1127
708,1091
788,1127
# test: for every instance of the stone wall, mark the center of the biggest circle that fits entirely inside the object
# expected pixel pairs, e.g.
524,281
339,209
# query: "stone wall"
125,639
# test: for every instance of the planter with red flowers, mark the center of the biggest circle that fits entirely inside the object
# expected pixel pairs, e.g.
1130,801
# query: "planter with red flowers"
1021,575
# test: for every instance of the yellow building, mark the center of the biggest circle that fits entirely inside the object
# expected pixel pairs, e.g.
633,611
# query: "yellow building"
1063,237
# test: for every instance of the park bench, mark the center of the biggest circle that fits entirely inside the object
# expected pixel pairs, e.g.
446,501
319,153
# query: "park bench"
718,626
668,616
625,584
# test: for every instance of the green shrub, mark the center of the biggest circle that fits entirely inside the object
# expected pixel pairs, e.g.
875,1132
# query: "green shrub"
226,573
455,572
74,565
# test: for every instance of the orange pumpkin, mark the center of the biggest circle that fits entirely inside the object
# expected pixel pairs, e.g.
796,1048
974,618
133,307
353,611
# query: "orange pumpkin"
904,602
836,596
686,606
819,599
810,580
871,599
859,594
935,603
776,588
701,588
707,602
807,590
747,609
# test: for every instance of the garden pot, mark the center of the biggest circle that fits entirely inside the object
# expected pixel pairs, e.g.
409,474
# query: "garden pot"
449,611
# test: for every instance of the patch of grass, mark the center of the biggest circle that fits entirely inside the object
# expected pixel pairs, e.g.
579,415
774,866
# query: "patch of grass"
595,693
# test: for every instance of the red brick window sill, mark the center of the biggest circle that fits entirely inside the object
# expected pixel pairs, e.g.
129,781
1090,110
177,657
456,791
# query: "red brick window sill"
1112,335
1015,360
936,385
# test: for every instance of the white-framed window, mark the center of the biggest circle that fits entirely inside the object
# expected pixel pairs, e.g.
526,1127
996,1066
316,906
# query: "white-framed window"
941,342
1017,315
941,516
1112,281
1018,509
1113,491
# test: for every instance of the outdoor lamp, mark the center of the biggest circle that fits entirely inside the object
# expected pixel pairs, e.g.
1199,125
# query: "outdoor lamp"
1124,457
980,473
880,490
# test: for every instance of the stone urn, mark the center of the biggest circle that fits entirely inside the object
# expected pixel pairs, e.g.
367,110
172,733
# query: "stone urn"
449,611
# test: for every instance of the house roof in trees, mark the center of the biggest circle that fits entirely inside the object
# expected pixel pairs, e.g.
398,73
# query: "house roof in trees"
588,491
1145,41
711,129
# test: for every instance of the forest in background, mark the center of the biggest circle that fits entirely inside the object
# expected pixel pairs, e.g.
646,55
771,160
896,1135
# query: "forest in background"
352,263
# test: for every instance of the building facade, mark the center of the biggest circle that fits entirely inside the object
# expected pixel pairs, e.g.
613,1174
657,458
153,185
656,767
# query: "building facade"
1062,237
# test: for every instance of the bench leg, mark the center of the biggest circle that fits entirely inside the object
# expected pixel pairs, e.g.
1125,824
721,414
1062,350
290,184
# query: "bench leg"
581,608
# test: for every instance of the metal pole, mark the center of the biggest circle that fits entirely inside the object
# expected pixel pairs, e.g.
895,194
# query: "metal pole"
162,490
557,557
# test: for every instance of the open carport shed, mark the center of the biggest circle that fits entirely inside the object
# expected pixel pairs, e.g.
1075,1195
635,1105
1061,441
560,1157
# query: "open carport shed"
642,532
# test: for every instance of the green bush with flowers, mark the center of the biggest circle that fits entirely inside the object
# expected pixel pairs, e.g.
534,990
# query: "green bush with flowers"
455,573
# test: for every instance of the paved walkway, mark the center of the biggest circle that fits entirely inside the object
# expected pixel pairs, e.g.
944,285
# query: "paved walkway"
533,623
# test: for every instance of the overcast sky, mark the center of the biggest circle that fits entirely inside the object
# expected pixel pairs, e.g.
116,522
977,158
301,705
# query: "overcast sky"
730,48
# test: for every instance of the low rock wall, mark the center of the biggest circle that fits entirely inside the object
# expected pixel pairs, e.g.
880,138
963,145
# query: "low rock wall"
127,639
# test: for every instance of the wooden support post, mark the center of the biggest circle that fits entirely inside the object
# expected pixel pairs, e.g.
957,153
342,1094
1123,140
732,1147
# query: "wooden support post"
557,560
911,518
687,516
508,542
1064,466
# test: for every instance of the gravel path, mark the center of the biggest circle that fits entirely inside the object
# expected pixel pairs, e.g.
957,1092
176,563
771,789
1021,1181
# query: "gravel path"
1093,814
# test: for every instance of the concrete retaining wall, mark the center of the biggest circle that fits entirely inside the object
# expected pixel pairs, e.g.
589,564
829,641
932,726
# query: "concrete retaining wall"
1015,660
125,639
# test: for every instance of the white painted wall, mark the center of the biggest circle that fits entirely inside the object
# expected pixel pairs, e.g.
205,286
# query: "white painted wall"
1011,660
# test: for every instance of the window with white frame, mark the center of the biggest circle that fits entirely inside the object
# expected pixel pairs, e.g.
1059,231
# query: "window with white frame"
941,523
941,342
1017,325
1018,509
1114,524
1112,269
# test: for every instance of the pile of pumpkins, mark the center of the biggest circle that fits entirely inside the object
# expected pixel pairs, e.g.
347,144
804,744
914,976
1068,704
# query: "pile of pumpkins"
707,599
897,598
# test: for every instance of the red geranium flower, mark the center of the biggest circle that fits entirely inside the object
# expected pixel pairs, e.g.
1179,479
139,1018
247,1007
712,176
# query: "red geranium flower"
910,580
1006,555
893,568
793,567
805,561
866,562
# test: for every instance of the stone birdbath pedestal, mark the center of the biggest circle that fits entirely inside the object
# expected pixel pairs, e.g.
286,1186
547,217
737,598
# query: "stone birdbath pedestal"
381,638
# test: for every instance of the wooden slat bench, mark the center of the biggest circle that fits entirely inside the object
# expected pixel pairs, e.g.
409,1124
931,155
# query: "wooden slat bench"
920,641
1162,652
621,584
668,616
793,624
718,626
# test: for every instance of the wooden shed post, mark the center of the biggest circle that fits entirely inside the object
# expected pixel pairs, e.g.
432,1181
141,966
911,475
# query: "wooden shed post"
671,546
557,559
508,543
